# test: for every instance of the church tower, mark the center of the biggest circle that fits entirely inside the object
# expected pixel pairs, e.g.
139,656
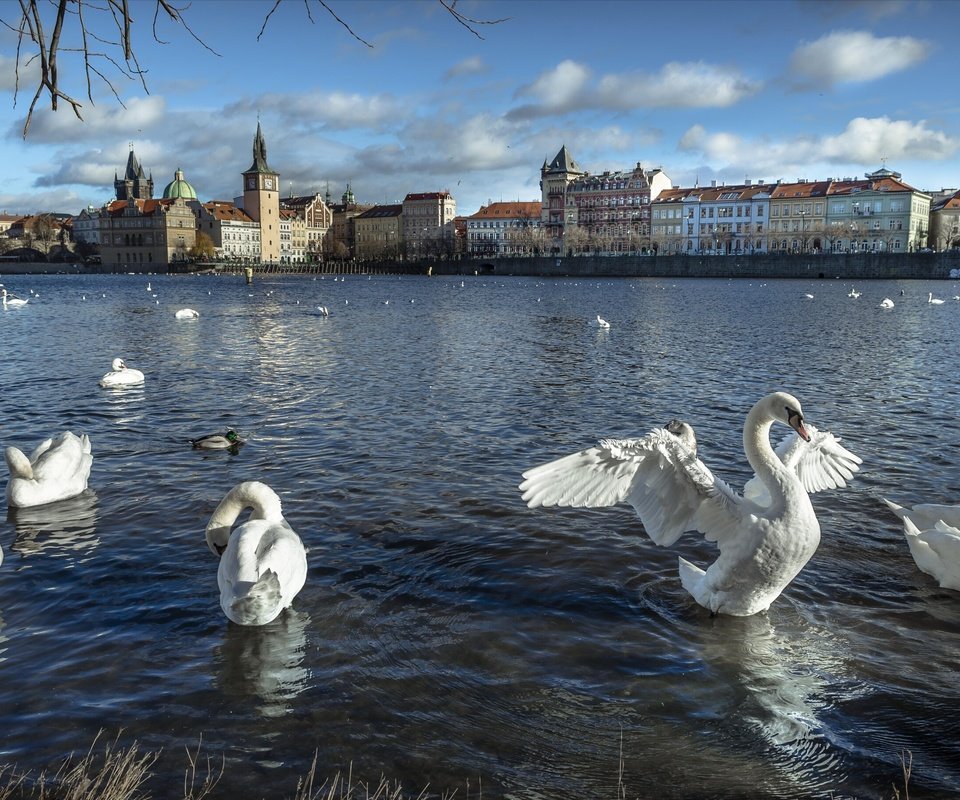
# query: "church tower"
134,185
261,199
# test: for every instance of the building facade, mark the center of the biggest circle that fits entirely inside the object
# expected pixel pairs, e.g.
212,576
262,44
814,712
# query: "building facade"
506,229
428,224
146,233
316,220
235,236
379,232
945,221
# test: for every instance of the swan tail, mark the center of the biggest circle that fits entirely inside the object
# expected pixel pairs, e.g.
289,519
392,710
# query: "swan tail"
261,603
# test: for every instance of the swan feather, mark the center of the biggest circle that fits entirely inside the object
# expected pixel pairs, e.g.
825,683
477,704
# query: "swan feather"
58,468
933,536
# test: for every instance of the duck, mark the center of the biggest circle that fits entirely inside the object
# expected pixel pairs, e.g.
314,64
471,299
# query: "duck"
57,469
187,313
219,441
263,563
934,301
765,536
933,536
886,303
11,301
121,375
600,322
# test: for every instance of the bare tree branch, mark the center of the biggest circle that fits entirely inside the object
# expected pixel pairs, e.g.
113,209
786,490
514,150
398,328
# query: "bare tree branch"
466,21
329,10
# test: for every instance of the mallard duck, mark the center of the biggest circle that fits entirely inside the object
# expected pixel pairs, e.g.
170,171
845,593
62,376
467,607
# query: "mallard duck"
765,536
219,441
57,469
263,563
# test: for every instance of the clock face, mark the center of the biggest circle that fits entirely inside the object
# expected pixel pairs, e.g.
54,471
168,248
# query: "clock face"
251,183
268,182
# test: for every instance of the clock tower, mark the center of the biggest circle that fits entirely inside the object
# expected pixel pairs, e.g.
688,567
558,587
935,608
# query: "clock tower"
261,199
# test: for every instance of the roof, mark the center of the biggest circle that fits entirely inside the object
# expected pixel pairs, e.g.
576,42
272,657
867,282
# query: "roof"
226,212
146,207
513,210
428,196
178,187
563,162
382,211
259,153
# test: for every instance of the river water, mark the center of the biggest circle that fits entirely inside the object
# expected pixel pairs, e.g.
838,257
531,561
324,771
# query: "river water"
447,635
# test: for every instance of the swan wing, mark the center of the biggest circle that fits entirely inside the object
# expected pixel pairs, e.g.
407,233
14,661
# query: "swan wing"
671,490
822,463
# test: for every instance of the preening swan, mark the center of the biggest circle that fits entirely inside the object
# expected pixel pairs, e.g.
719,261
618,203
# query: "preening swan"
934,301
765,537
57,469
121,375
187,313
933,535
219,441
263,563
599,322
886,303
9,301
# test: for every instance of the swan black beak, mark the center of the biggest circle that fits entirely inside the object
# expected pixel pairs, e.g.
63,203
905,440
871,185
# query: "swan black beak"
796,422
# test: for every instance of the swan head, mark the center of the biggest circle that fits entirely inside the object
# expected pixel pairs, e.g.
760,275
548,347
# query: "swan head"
785,408
118,364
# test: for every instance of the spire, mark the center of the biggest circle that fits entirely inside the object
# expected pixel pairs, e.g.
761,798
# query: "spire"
134,170
259,153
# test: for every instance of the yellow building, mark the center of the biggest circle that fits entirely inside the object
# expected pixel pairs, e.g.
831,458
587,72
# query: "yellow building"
261,200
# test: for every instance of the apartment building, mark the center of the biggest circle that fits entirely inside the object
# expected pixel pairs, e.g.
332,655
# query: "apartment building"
379,232
235,236
501,229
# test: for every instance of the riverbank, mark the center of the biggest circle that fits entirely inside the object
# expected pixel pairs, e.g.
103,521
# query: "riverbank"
847,266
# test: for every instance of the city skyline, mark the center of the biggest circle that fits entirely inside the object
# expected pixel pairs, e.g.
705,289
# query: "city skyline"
739,90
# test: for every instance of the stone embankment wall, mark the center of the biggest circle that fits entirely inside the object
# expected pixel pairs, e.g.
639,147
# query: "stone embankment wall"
851,266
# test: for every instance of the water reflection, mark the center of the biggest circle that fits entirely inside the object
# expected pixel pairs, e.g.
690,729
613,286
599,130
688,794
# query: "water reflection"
66,529
266,662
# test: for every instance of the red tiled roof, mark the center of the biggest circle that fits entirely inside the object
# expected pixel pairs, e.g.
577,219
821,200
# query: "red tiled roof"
512,210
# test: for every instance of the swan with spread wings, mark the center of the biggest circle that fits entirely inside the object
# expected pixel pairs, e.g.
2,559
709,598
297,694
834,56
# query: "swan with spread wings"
765,536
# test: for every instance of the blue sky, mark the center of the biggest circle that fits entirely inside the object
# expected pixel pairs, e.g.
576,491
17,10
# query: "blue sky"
705,90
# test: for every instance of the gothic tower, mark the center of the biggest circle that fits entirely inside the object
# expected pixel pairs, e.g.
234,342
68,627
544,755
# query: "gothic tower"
261,199
134,185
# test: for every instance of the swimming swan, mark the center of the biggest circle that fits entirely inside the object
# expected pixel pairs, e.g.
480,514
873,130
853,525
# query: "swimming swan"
219,441
886,303
600,322
59,468
11,301
263,563
122,375
187,313
765,536
934,301
933,535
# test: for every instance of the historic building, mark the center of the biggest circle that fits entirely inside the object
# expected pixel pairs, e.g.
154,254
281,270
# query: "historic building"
502,229
428,223
261,200
315,217
607,213
379,232
135,185
343,243
235,236
945,221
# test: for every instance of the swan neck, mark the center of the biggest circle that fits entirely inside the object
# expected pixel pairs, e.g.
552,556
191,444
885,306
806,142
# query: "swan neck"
756,446
258,497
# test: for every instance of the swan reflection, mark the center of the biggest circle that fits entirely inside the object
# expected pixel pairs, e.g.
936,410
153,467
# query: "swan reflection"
266,662
67,528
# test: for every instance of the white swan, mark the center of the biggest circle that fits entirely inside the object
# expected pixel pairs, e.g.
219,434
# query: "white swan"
886,303
263,563
187,313
765,537
121,375
933,535
935,301
57,469
9,301
854,293
808,296
323,311
600,322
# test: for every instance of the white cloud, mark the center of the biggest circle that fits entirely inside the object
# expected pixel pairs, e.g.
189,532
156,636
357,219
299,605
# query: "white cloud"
863,143
568,87
99,123
328,110
854,57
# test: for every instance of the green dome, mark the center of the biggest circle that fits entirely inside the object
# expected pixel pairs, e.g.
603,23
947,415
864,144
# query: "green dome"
178,187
